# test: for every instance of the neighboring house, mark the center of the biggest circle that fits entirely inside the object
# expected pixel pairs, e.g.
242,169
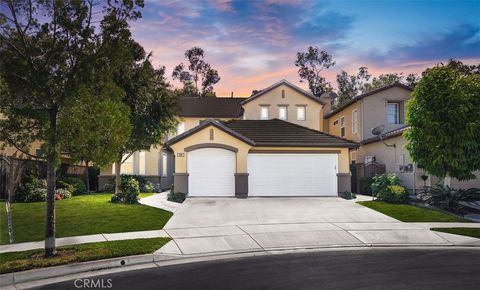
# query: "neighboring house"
222,140
386,106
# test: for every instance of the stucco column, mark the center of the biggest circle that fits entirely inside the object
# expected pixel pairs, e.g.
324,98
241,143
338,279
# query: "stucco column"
241,185
180,182
344,182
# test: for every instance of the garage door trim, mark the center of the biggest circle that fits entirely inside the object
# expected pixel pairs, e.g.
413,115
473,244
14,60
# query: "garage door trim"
210,145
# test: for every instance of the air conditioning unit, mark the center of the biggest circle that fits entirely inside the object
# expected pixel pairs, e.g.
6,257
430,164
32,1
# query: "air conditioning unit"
369,159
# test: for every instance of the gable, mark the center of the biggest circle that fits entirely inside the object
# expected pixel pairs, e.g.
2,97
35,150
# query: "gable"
278,87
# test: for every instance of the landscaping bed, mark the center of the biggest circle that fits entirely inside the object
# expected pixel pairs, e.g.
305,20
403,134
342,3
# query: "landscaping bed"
470,232
26,260
81,215
411,213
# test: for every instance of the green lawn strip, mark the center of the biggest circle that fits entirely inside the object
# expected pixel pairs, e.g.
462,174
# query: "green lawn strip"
470,232
410,213
26,260
81,215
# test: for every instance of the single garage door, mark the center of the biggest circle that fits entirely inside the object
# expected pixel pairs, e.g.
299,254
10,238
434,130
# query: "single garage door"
211,172
292,174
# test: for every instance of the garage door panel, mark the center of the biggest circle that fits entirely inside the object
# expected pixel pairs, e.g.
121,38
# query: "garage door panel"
292,174
211,172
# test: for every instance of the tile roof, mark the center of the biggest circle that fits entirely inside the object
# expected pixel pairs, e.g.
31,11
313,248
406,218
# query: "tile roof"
359,97
276,132
210,107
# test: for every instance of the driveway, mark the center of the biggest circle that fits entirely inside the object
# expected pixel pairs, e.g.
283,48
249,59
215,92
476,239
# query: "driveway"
214,225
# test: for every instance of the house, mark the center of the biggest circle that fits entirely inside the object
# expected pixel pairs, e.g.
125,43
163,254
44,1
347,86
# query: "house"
386,106
268,144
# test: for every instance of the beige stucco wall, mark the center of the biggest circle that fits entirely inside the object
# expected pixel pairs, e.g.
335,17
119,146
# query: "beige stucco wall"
273,98
203,136
152,162
347,113
376,106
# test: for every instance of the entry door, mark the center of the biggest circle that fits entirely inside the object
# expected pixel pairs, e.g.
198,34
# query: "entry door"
211,172
292,174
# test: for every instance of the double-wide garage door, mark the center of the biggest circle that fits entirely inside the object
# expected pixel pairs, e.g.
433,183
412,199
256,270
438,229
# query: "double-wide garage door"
292,174
212,173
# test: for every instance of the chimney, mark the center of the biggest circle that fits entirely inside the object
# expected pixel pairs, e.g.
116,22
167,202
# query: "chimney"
231,95
327,99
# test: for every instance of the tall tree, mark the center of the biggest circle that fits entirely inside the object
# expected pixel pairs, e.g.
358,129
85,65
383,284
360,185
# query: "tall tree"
310,67
198,72
444,119
351,85
48,54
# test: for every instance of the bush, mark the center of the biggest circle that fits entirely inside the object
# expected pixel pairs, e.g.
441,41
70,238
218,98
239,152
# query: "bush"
448,198
176,196
147,187
73,184
36,194
393,194
144,184
347,195
31,189
109,187
63,193
380,182
129,191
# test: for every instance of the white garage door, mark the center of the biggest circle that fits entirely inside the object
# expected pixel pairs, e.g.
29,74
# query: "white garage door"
292,174
211,172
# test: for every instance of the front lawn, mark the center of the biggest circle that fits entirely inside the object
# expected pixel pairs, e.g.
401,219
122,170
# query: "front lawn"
81,215
470,232
21,261
410,213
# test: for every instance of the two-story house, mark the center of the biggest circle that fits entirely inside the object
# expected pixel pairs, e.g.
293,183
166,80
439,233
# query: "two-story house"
270,144
386,106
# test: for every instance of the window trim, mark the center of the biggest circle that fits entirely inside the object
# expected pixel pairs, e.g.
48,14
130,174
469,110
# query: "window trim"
355,124
397,111
342,126
267,109
164,164
304,112
280,107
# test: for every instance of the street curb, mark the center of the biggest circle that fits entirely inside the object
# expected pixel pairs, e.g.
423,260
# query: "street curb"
158,260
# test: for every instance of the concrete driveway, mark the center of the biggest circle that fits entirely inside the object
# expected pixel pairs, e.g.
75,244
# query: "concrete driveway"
214,225
206,212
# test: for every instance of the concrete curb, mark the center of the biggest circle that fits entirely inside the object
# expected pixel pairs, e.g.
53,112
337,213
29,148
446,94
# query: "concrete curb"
33,276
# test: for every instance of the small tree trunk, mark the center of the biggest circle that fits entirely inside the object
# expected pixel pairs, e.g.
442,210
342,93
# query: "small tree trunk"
118,165
50,200
447,180
87,177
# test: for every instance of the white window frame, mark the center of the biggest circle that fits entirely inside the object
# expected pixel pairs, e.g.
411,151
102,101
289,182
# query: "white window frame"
342,126
142,164
262,110
300,107
397,111
280,108
180,128
355,121
164,164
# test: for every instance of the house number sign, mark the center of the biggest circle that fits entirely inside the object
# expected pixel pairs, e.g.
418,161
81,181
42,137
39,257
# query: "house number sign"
181,154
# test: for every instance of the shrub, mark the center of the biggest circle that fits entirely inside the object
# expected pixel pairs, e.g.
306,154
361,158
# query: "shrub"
393,194
129,191
381,181
36,194
63,193
147,187
31,189
73,184
448,198
348,195
176,196
109,187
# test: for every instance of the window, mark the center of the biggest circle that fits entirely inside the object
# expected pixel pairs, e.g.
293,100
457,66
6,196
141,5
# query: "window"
393,113
335,122
141,162
38,152
282,113
342,126
164,164
181,128
264,112
354,121
283,94
301,115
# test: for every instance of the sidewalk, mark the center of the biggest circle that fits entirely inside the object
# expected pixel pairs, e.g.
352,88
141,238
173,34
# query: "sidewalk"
160,201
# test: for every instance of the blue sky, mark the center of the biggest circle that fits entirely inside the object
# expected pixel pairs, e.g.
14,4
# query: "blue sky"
253,43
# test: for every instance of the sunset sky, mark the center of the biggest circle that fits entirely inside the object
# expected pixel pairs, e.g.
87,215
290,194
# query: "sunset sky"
253,44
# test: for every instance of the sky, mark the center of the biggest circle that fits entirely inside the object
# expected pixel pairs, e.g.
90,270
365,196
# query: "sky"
253,44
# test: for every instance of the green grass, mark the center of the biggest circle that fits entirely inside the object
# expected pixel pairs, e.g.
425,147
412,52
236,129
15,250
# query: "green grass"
410,213
21,261
81,215
470,232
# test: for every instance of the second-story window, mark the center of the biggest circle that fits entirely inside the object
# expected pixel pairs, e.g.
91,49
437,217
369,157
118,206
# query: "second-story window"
264,112
282,113
354,121
180,128
342,126
301,113
393,113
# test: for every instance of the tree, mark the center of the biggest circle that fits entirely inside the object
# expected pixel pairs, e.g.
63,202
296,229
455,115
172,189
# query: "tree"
197,72
444,119
151,103
48,55
351,85
310,66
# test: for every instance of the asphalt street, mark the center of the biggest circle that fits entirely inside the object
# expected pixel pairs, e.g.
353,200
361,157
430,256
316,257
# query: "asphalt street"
347,269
